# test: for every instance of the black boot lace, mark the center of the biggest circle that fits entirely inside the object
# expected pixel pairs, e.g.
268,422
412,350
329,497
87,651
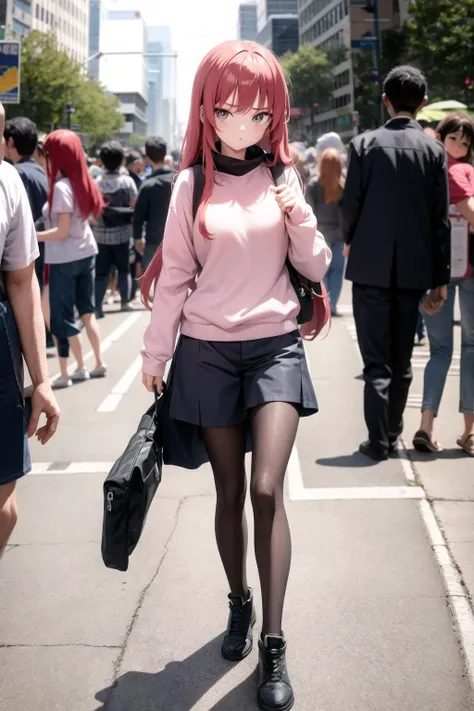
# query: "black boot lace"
273,665
238,624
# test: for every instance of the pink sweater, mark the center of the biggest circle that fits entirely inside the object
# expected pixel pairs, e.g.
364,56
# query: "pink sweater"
243,291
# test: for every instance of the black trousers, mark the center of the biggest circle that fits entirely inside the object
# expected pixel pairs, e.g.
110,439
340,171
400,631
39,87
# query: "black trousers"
112,255
386,321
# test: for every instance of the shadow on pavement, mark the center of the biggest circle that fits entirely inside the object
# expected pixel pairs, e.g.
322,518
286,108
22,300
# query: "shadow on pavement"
455,453
353,461
179,686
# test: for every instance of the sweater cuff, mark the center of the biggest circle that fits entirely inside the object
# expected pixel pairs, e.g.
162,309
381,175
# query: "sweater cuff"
151,366
298,214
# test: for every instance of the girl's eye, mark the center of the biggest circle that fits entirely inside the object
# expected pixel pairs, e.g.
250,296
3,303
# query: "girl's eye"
261,118
222,114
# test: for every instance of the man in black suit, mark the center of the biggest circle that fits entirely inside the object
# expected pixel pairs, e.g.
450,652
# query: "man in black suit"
395,218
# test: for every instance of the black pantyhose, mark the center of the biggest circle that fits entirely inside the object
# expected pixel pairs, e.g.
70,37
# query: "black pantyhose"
274,427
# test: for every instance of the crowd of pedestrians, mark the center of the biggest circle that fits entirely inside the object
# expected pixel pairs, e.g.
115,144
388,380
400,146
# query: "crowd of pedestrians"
394,214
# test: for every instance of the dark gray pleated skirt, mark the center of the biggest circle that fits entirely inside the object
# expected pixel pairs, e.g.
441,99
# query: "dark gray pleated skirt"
217,383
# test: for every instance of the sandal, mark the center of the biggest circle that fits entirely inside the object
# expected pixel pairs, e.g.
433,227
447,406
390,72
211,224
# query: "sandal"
467,443
422,442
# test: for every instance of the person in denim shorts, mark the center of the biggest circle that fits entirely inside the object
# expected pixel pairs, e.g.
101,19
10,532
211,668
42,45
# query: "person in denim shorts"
70,252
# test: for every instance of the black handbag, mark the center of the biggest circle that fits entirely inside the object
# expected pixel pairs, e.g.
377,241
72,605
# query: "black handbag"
129,490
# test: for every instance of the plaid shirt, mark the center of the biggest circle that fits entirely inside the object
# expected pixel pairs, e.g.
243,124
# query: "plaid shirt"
118,190
112,235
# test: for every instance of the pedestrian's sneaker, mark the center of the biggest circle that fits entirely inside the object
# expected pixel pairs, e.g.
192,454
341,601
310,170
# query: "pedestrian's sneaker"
61,383
274,687
238,641
80,375
99,372
127,307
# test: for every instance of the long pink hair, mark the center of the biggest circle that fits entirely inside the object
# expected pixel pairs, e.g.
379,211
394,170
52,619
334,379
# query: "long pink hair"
242,70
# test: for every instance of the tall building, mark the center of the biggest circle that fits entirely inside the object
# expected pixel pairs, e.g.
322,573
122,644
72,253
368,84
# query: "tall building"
98,11
16,17
161,85
247,24
277,25
123,66
68,20
333,25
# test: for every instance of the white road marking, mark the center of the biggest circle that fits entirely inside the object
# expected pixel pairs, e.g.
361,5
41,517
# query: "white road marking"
112,401
294,475
361,493
40,468
456,592
457,595
107,342
407,466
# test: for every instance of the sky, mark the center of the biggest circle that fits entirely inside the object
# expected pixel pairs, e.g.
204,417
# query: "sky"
196,27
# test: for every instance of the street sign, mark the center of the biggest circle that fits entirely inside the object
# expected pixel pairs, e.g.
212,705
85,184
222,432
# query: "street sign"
364,43
10,72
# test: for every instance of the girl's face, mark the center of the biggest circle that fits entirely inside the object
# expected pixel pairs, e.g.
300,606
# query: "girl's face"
457,145
239,131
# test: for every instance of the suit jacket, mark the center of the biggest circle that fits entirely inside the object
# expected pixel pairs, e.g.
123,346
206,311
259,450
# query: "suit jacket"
395,208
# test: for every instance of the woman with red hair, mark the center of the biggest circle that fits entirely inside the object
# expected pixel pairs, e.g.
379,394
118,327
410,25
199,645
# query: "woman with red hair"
240,361
324,194
70,251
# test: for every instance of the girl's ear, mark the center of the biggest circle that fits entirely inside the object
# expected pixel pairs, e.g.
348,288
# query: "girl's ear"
201,113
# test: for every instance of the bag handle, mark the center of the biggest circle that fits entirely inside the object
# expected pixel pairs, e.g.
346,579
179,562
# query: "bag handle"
158,398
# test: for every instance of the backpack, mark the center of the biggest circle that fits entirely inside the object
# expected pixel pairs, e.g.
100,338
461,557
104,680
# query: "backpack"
117,216
315,311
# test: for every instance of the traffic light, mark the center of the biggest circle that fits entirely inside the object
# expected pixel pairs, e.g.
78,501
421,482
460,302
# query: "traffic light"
374,76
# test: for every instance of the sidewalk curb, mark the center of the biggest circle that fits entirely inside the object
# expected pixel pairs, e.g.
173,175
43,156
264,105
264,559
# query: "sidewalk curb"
458,598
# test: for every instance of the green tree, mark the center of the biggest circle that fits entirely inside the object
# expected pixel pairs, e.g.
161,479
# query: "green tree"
441,36
50,79
311,80
367,85
96,113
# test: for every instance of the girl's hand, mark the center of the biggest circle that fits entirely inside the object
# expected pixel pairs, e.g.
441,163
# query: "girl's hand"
286,197
346,251
149,381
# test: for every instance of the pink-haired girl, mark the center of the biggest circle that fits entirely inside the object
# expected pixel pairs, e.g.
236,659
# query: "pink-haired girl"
240,362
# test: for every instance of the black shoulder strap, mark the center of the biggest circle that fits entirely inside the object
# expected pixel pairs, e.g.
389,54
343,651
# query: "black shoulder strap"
198,188
278,173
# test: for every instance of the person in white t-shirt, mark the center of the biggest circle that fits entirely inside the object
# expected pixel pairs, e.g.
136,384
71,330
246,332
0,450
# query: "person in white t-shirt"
21,334
70,251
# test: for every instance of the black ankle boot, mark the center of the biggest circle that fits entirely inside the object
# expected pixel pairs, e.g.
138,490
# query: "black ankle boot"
274,686
238,640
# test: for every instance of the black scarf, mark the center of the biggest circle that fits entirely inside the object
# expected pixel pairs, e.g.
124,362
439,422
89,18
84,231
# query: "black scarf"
254,157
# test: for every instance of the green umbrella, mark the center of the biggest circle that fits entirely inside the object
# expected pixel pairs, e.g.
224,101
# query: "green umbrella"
440,109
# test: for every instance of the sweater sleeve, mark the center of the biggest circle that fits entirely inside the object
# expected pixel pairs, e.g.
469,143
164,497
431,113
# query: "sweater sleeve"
178,274
308,251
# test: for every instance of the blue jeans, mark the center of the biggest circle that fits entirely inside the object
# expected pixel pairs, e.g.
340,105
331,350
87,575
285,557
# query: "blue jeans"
335,274
70,285
441,336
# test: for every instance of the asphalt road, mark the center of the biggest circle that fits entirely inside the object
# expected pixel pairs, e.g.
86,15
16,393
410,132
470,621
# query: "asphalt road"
369,622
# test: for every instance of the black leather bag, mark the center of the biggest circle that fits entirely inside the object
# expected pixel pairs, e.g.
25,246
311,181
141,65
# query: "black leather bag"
129,490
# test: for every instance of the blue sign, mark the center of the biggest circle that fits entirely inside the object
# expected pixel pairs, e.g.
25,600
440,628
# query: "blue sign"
10,72
364,43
